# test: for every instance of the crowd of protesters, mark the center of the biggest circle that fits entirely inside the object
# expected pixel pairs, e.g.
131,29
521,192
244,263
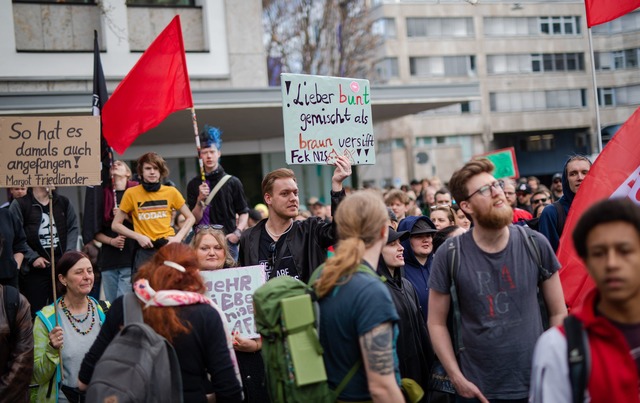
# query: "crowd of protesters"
470,283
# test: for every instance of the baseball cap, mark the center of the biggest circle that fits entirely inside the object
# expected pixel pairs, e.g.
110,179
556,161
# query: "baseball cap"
423,226
394,235
556,176
313,201
392,215
524,188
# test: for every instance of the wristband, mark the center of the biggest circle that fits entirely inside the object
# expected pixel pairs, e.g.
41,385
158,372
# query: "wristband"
237,232
202,204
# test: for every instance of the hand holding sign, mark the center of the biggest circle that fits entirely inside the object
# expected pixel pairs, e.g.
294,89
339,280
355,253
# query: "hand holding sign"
342,172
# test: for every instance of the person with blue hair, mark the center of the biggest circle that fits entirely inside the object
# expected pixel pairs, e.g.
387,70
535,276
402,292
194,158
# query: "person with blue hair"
219,197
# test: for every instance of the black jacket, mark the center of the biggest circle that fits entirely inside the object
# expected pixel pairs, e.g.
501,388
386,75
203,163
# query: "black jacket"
307,240
415,354
13,241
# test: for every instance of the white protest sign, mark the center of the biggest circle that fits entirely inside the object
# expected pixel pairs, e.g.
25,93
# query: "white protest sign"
325,117
232,290
44,151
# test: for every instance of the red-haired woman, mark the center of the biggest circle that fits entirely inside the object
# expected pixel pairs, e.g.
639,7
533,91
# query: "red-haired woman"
186,318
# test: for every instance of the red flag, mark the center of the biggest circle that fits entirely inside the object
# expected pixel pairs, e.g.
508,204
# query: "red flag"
156,86
601,11
616,173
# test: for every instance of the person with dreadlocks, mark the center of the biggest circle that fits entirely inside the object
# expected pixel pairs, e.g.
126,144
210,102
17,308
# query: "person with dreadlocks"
219,197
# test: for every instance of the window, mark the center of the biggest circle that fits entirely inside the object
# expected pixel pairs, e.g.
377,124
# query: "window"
628,95
442,66
384,27
617,60
530,26
439,27
627,23
397,144
606,96
538,142
537,100
160,2
387,68
569,25
514,64
56,1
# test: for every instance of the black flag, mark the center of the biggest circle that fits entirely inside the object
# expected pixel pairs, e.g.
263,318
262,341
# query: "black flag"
94,200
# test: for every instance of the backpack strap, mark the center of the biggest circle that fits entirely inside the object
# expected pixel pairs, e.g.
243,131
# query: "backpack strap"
577,356
11,306
345,381
132,309
216,188
454,266
105,305
176,379
562,216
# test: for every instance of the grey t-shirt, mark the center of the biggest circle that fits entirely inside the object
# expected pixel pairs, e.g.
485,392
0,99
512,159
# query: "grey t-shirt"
499,308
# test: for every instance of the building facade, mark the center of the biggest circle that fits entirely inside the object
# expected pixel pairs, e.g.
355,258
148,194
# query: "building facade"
533,65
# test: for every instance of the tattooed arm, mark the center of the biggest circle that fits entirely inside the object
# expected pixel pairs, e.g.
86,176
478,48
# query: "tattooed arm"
377,349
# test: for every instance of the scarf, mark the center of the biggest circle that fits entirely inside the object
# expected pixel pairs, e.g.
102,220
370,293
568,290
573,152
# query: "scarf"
151,187
164,298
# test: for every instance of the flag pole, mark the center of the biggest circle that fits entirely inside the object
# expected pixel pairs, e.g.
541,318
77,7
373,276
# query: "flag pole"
194,119
53,270
595,92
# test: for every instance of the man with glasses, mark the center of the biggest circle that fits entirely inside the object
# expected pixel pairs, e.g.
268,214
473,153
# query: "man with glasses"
539,200
496,282
282,245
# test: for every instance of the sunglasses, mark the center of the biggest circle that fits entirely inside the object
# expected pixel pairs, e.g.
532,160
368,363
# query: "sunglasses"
209,226
540,200
557,180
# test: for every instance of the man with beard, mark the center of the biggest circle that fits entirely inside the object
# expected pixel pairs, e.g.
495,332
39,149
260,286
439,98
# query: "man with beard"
496,282
282,245
519,214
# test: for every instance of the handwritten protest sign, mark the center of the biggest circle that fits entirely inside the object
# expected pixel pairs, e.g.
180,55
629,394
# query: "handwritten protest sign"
45,151
505,162
232,290
325,117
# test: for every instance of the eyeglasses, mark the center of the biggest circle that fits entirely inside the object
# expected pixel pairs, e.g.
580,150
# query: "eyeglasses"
486,189
540,200
557,180
209,226
509,193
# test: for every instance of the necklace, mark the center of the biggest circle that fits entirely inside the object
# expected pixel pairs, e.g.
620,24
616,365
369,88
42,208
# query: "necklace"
274,236
72,319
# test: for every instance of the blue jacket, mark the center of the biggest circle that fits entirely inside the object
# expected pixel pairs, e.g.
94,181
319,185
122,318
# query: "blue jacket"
416,273
548,223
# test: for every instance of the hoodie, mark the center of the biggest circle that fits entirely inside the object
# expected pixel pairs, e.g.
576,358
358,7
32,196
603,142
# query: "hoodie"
548,223
415,272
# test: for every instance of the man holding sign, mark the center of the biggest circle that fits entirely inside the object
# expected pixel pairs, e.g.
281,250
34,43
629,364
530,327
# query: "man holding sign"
282,245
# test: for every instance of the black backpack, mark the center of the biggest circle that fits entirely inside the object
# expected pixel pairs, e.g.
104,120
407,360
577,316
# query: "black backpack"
139,365
11,305
577,356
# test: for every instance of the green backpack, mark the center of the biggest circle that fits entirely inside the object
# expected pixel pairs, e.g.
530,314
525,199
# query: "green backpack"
285,313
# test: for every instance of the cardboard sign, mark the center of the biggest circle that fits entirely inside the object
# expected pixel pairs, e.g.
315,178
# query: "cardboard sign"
505,162
45,151
232,290
325,117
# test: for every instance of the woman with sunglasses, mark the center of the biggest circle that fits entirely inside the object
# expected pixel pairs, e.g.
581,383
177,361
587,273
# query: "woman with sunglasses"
213,253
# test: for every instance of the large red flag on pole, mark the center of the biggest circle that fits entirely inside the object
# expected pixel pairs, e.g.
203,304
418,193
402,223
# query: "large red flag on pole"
156,86
601,11
616,173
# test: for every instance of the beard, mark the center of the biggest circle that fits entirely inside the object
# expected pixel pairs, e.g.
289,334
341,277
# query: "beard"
495,218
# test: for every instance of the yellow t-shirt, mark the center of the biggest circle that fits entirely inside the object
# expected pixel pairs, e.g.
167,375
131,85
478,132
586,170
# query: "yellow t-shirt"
151,211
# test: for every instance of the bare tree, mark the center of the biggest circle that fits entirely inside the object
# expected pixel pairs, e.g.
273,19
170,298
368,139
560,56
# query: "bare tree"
324,37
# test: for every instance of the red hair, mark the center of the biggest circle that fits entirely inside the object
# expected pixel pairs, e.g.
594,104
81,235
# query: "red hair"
164,320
